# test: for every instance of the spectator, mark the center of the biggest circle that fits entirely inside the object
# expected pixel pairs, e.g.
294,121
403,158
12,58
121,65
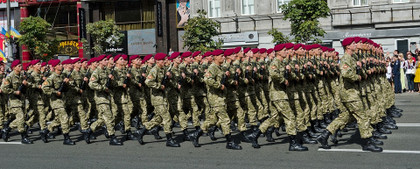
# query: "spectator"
402,72
389,72
410,71
417,75
396,75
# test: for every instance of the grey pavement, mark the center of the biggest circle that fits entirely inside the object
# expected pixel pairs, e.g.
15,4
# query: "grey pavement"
403,151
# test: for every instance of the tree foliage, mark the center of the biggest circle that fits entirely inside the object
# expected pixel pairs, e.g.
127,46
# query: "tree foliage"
105,34
199,32
278,37
35,36
304,15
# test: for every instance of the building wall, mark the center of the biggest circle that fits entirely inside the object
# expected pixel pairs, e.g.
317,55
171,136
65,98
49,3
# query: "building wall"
380,20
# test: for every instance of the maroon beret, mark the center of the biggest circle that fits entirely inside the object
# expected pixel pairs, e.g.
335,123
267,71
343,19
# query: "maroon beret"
110,56
331,49
246,50
270,50
208,53
43,64
132,57
67,61
54,62
237,49
117,57
308,47
323,48
297,46
255,50
100,58
228,52
146,58
186,54
196,53
34,62
370,41
217,52
314,46
83,60
364,40
279,47
347,41
263,50
175,55
336,53
357,39
160,56
289,45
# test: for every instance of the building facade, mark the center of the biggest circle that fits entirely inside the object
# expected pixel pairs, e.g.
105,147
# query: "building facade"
393,23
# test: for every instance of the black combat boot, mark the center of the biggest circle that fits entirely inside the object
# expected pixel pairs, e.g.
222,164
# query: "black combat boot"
67,140
211,133
25,139
5,134
375,141
322,124
141,133
170,142
323,139
276,130
44,135
155,132
327,118
106,132
114,141
269,134
368,145
393,107
305,138
130,136
86,135
185,132
382,129
231,143
194,136
379,135
311,133
253,137
334,139
315,126
294,144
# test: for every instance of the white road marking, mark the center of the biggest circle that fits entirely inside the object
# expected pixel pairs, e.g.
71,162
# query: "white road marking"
408,124
16,143
361,151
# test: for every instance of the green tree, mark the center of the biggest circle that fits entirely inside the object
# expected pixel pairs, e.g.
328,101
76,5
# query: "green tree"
278,37
304,15
199,32
105,34
35,36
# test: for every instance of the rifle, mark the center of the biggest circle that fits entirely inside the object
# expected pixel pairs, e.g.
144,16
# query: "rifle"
358,70
84,84
165,78
60,89
142,78
22,87
108,82
127,78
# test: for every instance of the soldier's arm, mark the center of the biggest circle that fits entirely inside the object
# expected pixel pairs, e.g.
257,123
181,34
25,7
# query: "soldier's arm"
348,71
94,82
152,81
47,87
276,73
210,79
6,86
120,77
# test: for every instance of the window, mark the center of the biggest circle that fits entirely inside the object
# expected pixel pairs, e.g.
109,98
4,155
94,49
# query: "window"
281,2
401,1
214,8
360,3
247,7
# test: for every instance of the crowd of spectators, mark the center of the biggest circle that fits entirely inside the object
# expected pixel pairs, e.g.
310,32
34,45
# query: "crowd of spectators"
403,72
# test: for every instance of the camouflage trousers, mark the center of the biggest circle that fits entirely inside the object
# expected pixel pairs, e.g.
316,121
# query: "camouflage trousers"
301,109
78,109
38,114
253,108
281,108
312,107
175,109
264,108
3,112
163,117
235,110
356,110
218,113
106,117
19,119
61,118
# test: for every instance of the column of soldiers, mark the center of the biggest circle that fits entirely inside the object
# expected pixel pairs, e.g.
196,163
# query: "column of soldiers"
308,89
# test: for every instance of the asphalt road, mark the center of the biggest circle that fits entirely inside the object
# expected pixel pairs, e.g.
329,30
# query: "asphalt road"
401,150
